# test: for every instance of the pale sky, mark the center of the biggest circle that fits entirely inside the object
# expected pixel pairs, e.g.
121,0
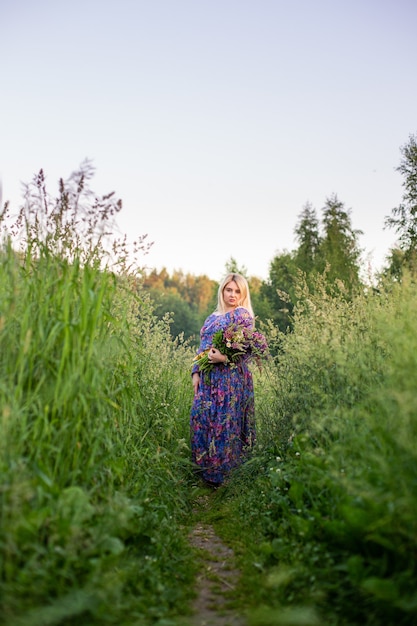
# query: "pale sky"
214,121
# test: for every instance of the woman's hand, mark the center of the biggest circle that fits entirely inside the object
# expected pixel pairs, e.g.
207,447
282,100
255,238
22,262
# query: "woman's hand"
215,356
196,382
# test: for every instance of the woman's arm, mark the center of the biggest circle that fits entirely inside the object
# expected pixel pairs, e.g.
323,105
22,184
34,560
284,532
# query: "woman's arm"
196,382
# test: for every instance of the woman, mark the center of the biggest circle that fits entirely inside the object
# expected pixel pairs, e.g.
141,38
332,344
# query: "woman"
223,414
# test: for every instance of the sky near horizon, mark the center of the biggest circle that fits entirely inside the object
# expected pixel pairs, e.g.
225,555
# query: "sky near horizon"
214,121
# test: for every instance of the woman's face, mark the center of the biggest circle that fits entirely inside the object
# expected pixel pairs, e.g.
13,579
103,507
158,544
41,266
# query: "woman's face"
231,295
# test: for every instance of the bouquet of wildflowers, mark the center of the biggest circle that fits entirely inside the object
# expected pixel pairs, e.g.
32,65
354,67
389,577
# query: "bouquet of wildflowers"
237,340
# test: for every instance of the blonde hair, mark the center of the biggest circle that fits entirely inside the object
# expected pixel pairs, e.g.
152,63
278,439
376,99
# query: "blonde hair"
244,299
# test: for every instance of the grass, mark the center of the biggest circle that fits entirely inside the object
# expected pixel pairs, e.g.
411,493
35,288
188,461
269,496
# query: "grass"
94,452
97,490
324,520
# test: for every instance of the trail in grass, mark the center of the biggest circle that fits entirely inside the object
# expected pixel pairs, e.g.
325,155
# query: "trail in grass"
218,574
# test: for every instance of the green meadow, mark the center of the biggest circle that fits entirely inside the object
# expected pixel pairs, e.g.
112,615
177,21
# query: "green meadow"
97,490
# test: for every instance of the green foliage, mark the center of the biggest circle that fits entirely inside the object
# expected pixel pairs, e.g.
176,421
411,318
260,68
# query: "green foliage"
183,300
96,487
94,399
184,319
338,249
404,217
232,267
308,238
331,258
327,506
334,255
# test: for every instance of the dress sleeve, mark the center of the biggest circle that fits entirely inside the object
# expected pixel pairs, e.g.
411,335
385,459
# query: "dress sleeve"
243,314
205,342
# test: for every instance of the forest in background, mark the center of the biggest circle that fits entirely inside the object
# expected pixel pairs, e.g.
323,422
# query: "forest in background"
327,247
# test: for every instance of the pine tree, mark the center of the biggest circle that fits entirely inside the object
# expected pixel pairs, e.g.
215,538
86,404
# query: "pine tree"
404,217
308,239
339,251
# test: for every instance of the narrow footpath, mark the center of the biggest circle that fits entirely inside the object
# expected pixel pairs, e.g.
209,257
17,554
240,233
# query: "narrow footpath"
217,578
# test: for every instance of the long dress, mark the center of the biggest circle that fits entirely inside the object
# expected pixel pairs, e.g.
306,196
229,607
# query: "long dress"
222,420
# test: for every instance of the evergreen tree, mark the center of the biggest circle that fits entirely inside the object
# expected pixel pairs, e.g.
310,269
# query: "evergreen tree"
308,238
339,253
404,217
232,267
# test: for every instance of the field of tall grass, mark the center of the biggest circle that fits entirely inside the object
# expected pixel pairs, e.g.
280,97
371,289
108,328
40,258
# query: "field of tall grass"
97,488
94,401
328,505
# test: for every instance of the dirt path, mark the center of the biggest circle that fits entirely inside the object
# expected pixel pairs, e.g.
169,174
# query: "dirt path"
217,579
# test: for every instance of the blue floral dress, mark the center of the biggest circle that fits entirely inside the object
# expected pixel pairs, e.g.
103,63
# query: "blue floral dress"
222,416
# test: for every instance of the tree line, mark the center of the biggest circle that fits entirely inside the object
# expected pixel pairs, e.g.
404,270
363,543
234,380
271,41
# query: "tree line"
327,252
